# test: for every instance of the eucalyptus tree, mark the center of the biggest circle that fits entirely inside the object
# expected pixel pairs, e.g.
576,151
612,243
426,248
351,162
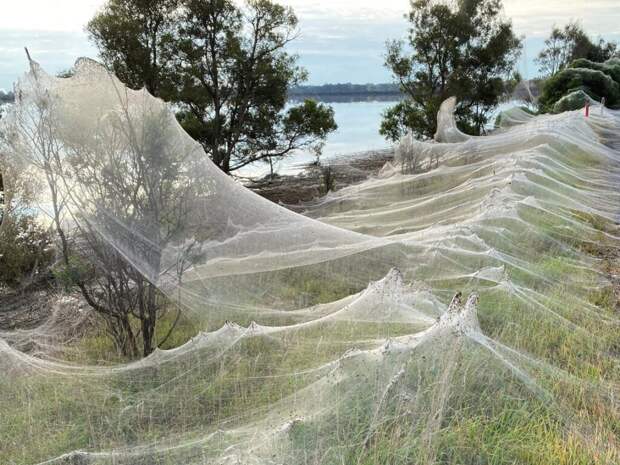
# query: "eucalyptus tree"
465,49
224,66
121,184
569,43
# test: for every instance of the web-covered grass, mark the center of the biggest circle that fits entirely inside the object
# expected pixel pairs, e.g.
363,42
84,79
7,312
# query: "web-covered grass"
344,341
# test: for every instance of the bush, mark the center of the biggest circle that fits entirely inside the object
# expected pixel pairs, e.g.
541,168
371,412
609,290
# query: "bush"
593,82
573,101
611,67
25,248
78,270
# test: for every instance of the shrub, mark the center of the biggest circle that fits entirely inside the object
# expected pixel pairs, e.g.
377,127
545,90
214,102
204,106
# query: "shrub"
593,82
25,248
573,101
78,270
610,67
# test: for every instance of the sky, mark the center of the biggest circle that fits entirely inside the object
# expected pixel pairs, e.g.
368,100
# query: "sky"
339,40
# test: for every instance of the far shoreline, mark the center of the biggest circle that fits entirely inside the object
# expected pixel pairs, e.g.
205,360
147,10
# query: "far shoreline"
362,97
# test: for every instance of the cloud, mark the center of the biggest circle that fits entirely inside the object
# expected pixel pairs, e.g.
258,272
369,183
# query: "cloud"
46,15
340,40
54,50
535,17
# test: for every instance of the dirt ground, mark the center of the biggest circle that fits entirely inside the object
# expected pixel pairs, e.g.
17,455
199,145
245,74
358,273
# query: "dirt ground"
311,183
26,308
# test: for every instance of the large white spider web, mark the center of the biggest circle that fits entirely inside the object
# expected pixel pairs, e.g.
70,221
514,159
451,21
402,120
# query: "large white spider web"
333,336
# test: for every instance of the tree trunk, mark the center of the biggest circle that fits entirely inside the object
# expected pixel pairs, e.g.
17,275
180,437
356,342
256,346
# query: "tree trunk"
226,164
149,319
124,339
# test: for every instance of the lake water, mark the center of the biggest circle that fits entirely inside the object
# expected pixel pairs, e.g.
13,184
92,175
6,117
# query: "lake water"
358,131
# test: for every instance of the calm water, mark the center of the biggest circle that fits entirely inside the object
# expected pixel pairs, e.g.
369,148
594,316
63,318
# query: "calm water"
358,131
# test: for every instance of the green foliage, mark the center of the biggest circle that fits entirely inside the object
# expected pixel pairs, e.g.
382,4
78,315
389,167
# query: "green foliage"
77,271
568,44
465,51
512,82
129,35
406,114
610,67
25,248
593,82
588,85
310,117
570,102
225,67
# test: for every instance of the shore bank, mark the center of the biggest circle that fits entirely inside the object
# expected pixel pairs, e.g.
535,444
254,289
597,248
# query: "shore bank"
314,180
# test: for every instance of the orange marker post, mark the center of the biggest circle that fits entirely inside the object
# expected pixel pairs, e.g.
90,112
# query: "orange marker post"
587,109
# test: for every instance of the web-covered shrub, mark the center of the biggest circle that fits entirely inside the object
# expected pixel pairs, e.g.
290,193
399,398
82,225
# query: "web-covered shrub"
25,248
573,101
610,67
595,83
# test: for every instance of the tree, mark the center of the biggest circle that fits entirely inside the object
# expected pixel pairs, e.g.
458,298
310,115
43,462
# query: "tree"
115,165
139,196
568,44
224,67
555,54
465,49
131,36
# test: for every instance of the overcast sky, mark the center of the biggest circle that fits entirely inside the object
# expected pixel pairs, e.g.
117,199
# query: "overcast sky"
340,40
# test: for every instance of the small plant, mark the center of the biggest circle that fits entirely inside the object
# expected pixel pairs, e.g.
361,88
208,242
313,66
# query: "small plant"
328,179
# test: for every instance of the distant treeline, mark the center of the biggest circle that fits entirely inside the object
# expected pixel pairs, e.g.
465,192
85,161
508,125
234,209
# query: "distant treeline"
347,92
